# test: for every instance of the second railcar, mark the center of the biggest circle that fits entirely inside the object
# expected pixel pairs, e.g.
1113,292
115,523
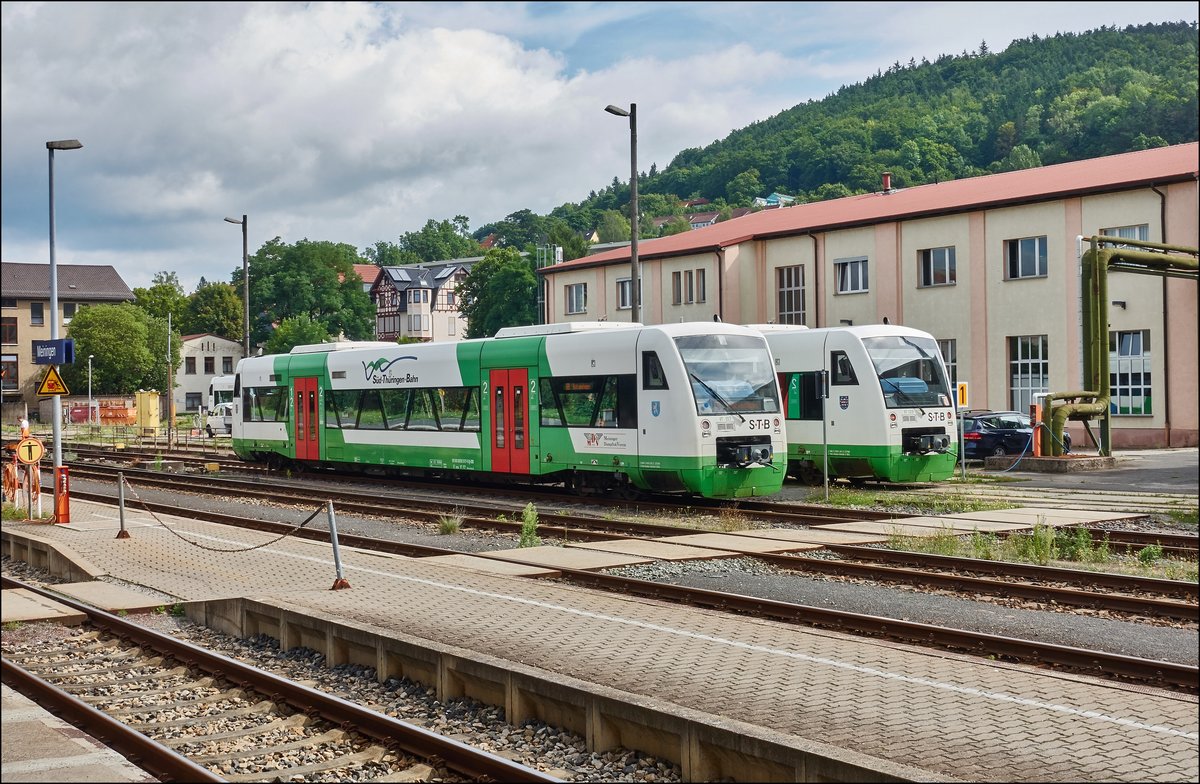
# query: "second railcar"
601,407
875,397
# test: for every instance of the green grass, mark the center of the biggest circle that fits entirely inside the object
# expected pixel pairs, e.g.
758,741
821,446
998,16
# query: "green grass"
906,503
529,524
1070,548
450,523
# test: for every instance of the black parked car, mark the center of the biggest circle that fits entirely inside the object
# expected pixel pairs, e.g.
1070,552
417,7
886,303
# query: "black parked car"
995,433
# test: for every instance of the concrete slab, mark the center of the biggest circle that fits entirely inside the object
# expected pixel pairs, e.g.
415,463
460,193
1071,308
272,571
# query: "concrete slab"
491,566
896,527
965,525
20,605
813,535
569,557
661,551
1046,516
109,597
738,544
100,521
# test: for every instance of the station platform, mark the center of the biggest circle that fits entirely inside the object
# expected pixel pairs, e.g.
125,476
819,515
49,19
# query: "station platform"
726,696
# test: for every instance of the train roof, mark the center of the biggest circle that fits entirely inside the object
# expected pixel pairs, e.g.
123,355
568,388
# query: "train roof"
341,345
562,328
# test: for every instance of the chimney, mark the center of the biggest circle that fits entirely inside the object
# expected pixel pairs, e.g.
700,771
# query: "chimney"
887,182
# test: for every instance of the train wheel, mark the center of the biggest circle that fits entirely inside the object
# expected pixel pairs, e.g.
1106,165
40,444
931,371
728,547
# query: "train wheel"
806,472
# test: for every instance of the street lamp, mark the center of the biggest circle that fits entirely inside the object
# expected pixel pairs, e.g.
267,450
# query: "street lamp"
245,287
63,144
90,388
634,280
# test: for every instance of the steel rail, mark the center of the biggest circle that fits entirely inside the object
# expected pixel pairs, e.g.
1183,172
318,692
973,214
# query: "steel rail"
384,729
159,761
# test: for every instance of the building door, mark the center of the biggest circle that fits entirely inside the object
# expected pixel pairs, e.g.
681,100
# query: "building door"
510,418
304,400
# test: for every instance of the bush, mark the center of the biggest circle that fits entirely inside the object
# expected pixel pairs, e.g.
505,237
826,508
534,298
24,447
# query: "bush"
529,524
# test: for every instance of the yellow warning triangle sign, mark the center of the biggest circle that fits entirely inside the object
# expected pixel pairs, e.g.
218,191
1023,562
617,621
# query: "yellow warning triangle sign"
52,383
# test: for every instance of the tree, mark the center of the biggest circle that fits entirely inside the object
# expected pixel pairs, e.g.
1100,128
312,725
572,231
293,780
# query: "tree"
677,225
164,296
438,241
385,254
293,331
501,291
215,308
314,279
613,227
743,188
573,244
129,348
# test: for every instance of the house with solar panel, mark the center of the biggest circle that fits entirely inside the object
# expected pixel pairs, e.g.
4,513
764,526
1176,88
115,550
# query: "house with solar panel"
418,302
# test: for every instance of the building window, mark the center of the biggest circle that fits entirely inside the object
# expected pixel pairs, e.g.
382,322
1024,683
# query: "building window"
191,401
8,330
226,365
189,366
9,380
789,281
8,302
1026,258
676,288
949,349
851,276
69,309
210,368
451,325
937,267
623,293
37,314
1141,233
1129,372
1028,369
701,293
576,298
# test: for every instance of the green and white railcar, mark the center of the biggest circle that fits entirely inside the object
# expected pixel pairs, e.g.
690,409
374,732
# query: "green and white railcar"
601,407
889,412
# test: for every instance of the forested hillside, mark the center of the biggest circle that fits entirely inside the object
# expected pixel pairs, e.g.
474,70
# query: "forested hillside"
1040,101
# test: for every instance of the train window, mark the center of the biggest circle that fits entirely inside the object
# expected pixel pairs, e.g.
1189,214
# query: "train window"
370,411
652,372
421,414
589,401
340,406
460,408
264,404
843,370
498,417
395,407
518,417
804,395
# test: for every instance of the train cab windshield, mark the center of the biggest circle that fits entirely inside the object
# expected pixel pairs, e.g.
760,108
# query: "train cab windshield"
910,371
729,374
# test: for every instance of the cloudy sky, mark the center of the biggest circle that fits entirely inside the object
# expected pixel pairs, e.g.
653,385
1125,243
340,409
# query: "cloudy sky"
356,122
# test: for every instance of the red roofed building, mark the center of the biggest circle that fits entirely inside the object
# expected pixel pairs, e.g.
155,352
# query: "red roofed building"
988,265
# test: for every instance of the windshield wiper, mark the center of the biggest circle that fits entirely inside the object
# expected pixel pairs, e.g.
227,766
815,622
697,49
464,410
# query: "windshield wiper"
716,396
903,396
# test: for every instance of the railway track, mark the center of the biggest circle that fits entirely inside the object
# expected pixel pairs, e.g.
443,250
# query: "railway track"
1176,676
187,714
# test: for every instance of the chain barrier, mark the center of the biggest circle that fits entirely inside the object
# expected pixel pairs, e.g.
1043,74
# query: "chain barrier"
284,535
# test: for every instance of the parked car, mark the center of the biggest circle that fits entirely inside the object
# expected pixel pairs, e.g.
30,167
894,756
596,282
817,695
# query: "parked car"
996,433
220,420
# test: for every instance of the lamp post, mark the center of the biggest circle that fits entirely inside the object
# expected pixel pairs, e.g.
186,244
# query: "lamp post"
63,144
90,388
634,280
245,286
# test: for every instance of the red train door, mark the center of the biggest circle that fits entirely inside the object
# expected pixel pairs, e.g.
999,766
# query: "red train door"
304,407
510,417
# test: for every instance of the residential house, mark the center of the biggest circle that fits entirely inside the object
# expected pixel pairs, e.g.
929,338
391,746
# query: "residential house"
988,265
25,317
202,358
419,302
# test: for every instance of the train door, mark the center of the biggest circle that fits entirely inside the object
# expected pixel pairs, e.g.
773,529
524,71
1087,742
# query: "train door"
510,420
304,407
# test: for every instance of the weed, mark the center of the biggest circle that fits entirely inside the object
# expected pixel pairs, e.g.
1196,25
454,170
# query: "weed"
160,610
450,523
177,610
1150,554
529,518
1037,546
158,461
732,519
12,626
122,612
984,544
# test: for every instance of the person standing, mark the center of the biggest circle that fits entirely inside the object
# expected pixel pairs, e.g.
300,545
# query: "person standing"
23,423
